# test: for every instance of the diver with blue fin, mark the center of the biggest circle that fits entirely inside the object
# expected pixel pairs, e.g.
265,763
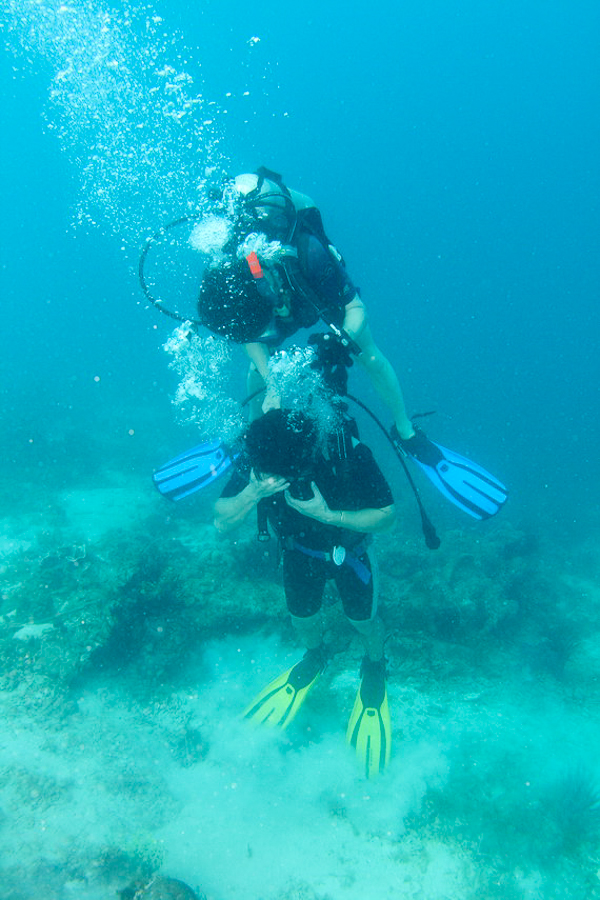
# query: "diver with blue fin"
323,496
466,484
193,470
278,272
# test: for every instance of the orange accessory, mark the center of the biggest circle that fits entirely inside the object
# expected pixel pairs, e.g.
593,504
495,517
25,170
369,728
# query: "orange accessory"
255,267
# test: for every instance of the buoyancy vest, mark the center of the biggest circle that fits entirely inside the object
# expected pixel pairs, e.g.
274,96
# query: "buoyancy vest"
312,277
338,463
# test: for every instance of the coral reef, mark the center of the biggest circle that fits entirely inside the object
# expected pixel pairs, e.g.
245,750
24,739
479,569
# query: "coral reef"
134,607
571,808
130,599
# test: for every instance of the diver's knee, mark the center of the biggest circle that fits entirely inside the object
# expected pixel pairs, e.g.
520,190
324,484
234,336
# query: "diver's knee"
365,627
373,359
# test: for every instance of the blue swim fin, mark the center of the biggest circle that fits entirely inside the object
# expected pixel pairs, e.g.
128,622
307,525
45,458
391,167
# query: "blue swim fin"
193,470
464,483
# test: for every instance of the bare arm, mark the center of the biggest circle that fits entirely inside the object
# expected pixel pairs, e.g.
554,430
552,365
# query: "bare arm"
365,520
259,355
230,512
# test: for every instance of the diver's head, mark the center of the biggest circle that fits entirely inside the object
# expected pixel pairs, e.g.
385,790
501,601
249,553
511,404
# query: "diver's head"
231,305
260,202
283,443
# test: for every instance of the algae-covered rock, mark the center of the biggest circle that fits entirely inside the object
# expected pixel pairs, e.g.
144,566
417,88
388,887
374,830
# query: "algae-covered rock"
160,888
135,598
468,588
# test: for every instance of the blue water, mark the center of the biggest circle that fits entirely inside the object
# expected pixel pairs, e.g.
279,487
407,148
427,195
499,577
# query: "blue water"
452,149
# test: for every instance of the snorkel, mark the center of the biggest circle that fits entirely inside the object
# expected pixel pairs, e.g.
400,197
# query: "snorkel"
267,291
265,281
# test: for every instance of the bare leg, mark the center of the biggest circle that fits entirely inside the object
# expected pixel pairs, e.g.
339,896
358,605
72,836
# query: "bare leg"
372,632
310,630
385,381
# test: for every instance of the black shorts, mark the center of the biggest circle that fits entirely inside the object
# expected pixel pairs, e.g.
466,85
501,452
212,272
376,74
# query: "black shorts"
304,580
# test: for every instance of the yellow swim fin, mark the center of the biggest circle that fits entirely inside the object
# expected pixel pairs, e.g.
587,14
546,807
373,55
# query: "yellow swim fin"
279,702
369,729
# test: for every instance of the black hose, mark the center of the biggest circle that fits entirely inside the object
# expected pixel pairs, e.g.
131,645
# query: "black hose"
155,301
429,533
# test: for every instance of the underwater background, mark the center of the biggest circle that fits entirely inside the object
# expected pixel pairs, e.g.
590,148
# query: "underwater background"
453,151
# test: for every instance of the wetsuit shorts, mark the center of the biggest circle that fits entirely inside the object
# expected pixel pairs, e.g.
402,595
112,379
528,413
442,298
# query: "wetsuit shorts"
304,582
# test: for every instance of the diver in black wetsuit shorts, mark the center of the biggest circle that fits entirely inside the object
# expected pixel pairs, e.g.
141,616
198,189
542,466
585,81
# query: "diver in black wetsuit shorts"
323,502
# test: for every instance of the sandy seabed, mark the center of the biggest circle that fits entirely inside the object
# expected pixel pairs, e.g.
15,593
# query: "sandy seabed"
128,659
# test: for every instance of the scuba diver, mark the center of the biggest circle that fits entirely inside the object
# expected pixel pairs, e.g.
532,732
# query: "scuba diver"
323,498
282,273
277,272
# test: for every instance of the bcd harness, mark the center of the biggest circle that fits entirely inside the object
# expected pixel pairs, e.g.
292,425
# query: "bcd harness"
306,224
340,448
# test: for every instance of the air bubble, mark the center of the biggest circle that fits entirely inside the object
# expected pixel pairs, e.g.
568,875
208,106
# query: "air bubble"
127,117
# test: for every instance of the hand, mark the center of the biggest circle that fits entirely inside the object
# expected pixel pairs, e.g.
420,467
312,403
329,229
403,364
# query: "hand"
266,487
315,508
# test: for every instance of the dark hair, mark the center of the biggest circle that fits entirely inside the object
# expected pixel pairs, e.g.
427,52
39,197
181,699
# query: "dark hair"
282,442
230,304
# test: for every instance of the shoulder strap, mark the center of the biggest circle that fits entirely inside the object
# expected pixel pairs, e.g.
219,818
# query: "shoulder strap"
311,221
342,441
263,173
